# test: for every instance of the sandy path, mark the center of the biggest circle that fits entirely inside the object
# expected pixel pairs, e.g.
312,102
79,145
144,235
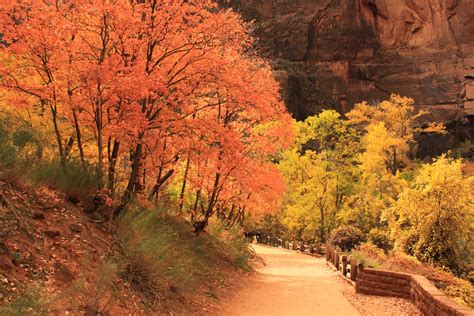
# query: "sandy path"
290,284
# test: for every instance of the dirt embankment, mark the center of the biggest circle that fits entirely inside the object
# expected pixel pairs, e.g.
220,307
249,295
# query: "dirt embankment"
55,258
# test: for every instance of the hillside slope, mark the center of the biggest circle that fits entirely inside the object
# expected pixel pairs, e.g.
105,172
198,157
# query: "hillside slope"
55,258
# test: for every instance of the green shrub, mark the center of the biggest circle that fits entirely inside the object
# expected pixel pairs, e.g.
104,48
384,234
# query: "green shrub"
25,138
18,143
380,238
408,243
8,156
346,237
464,150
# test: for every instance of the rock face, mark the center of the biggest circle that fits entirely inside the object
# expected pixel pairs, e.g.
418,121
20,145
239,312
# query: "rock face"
334,53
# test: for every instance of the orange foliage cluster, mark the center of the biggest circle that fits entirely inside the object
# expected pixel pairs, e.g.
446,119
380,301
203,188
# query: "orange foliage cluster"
166,87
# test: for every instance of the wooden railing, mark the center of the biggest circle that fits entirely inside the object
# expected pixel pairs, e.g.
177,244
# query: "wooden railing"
302,246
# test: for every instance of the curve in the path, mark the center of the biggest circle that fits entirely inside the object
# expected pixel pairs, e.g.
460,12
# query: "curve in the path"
290,284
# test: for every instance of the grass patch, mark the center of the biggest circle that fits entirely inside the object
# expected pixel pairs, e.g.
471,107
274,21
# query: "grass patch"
96,295
73,179
369,255
164,256
30,302
233,246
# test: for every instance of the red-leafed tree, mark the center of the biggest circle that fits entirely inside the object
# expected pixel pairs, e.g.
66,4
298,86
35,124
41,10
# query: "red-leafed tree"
167,88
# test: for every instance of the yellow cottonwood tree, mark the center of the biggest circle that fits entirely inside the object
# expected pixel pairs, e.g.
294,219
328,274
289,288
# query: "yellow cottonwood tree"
319,174
399,116
435,215
377,188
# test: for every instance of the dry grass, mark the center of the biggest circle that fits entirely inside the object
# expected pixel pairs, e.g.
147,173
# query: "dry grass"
166,261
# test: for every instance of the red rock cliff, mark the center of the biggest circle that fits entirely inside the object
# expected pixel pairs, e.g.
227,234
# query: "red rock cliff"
334,53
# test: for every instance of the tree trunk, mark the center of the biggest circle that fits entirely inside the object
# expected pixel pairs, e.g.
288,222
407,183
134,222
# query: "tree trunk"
213,199
141,175
183,187
129,191
79,137
196,203
159,182
59,140
238,216
100,153
395,162
242,217
113,155
231,215
321,231
68,147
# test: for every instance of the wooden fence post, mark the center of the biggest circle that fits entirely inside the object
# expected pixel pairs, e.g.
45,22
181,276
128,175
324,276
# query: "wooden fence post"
360,267
344,265
353,269
336,261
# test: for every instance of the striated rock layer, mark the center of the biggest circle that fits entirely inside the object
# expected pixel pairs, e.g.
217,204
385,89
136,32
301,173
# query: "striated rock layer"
334,53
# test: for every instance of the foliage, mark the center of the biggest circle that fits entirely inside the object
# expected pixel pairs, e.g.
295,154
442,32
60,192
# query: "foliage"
464,150
18,142
462,293
346,237
397,118
380,238
319,171
369,254
145,91
437,212
272,225
168,103
359,173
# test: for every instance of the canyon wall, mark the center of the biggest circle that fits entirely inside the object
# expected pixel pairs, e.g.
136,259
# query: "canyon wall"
334,53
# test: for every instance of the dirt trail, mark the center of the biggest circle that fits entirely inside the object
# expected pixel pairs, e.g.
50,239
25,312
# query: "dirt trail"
296,284
290,284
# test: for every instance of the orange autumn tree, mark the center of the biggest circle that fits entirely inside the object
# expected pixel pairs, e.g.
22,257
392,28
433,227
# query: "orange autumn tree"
241,134
32,61
160,89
